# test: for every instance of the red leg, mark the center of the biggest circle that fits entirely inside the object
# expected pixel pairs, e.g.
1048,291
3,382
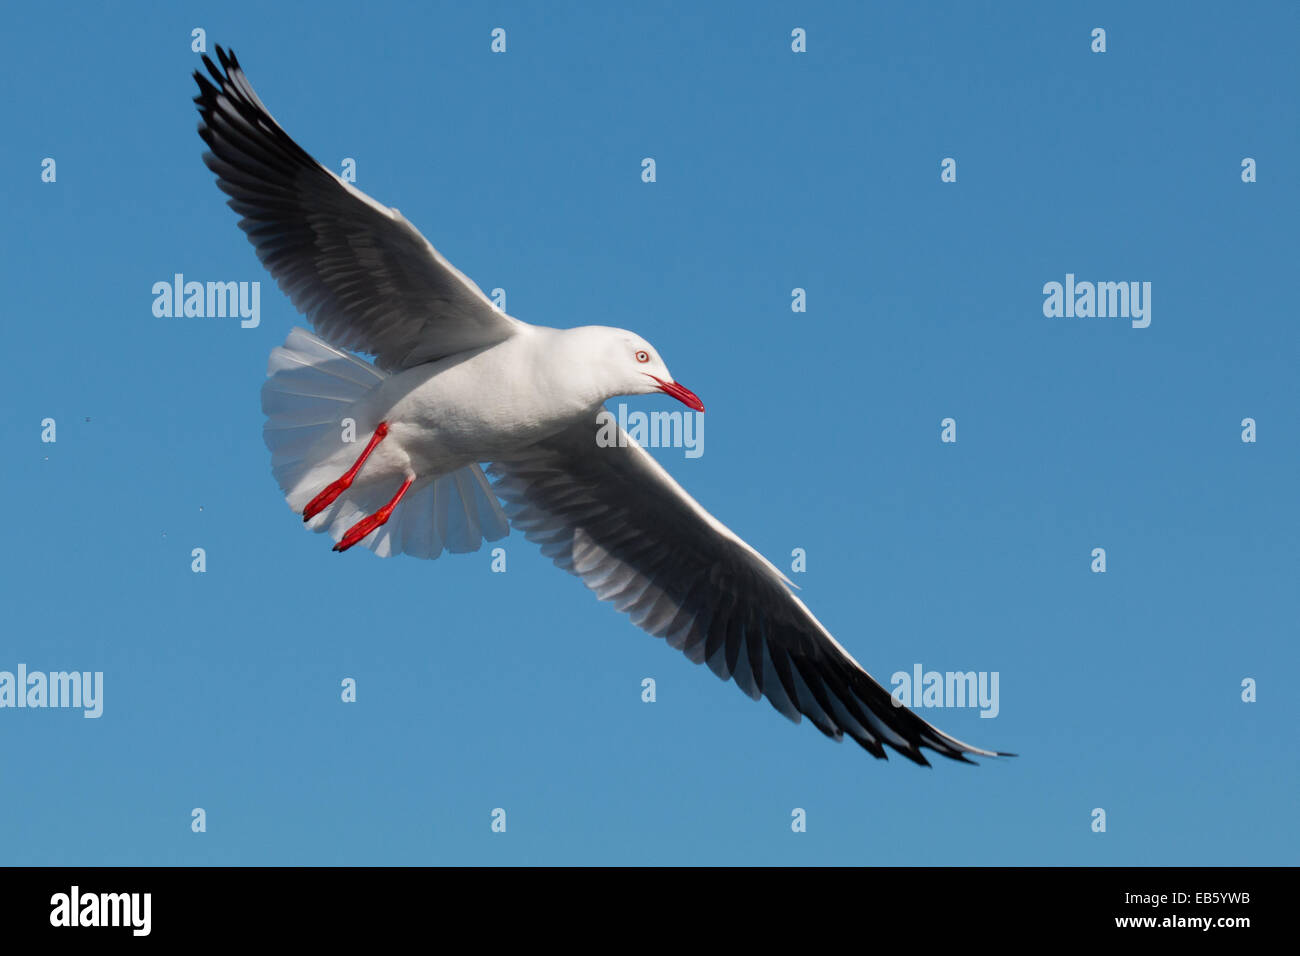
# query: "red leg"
367,525
336,488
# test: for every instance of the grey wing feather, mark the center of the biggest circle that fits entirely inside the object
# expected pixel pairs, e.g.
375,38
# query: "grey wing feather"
361,274
614,517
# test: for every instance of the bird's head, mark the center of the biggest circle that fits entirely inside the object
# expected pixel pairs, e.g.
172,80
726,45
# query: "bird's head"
623,363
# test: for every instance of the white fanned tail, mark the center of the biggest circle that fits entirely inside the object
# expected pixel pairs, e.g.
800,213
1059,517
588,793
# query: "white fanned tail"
309,390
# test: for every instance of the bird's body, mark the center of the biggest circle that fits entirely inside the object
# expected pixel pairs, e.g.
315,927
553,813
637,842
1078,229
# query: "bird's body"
388,454
480,405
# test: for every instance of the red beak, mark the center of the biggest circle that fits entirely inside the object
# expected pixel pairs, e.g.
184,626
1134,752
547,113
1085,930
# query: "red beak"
679,392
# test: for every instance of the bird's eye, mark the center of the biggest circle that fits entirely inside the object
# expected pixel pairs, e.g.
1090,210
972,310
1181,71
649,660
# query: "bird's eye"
643,356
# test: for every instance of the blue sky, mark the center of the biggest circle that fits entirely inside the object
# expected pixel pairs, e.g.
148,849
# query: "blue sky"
775,170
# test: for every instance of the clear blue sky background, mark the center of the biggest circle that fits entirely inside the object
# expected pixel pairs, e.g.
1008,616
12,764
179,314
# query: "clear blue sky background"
775,171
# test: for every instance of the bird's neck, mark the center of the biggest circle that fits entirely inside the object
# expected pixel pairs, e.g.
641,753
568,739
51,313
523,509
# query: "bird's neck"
572,372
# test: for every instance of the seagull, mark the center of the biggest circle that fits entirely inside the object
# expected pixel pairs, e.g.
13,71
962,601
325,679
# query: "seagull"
455,383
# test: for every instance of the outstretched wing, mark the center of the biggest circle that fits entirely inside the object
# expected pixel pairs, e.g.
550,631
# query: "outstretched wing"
615,518
360,273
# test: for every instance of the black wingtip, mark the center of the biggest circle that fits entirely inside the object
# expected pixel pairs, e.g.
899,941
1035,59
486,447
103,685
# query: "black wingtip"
975,763
229,63
915,756
209,86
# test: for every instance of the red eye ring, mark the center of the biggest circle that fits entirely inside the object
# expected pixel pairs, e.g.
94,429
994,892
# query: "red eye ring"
642,356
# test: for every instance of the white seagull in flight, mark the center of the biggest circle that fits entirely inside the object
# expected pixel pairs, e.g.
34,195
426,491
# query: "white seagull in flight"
456,382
